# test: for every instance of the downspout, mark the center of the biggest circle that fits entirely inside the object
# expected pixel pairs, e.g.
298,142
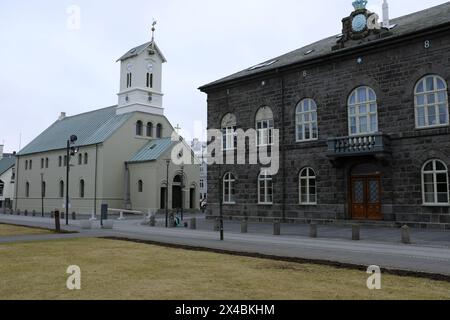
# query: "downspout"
95,178
283,151
17,184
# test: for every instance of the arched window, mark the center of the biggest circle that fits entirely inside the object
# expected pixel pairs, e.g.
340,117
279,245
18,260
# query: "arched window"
61,189
80,159
265,188
60,161
431,101
149,129
42,163
264,126
46,163
159,131
308,189
81,188
228,189
435,183
86,158
140,186
306,119
362,111
43,189
30,164
139,127
26,164
27,189
229,132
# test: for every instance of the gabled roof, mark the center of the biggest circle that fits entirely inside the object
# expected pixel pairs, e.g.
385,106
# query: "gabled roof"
153,150
91,128
409,24
6,164
139,49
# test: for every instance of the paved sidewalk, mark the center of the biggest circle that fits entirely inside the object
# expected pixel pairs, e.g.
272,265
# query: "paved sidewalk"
429,256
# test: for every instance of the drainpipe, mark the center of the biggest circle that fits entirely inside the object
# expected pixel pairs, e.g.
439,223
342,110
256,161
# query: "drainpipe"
95,178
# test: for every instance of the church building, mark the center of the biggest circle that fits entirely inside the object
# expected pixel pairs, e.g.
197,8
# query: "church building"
120,155
363,121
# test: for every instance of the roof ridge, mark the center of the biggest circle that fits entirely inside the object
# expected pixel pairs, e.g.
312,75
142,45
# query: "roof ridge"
87,112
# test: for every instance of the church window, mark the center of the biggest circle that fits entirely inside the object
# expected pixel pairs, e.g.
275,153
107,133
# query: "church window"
139,128
61,189
30,164
80,159
60,161
46,163
81,188
140,186
149,129
159,132
42,163
27,189
26,164
86,158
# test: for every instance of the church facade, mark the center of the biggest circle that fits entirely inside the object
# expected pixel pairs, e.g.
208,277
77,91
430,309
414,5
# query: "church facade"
363,120
120,155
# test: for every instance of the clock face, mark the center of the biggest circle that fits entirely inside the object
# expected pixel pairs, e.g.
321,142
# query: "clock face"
129,67
359,23
149,67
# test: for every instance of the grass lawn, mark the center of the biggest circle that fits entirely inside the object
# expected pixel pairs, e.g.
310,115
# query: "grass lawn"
123,270
7,230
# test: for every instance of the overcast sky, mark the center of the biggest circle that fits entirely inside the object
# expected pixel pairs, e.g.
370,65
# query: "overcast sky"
46,67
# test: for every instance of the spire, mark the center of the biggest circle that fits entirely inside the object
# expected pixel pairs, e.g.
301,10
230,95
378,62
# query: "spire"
386,22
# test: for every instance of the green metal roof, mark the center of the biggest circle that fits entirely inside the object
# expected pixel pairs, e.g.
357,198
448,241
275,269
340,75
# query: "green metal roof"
6,164
153,150
90,128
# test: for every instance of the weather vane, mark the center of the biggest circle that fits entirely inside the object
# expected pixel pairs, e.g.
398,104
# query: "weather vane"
153,29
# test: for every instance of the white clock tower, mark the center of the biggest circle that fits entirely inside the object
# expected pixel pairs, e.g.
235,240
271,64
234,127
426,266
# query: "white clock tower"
141,79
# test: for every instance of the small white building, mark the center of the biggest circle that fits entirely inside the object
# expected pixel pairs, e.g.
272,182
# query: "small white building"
200,150
7,179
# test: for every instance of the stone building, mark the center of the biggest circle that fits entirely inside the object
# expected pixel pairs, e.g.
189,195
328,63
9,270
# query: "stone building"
122,154
363,119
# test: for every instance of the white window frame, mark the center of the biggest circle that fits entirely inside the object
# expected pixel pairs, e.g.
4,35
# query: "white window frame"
427,105
311,114
265,179
435,172
369,114
229,180
308,179
229,134
264,136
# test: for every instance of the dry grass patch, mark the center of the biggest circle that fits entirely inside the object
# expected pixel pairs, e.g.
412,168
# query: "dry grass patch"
125,270
7,230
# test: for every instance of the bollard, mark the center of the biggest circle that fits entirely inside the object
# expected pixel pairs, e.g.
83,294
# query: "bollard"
34,213
74,216
406,235
93,217
244,226
57,222
121,217
276,228
18,212
193,224
52,215
152,220
217,225
356,232
26,213
313,230
62,215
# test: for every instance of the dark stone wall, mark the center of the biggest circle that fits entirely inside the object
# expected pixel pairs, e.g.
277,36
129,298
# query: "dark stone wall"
393,73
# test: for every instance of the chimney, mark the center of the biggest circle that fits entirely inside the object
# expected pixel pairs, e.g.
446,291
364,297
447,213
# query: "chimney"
386,22
62,116
1,151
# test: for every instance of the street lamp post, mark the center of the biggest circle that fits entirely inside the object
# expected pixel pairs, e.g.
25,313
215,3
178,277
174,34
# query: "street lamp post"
71,151
167,193
182,193
221,203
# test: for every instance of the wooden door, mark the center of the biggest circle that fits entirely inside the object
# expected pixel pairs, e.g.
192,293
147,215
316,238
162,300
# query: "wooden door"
366,198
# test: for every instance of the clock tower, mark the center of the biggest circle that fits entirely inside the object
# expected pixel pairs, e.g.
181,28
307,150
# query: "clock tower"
141,79
362,25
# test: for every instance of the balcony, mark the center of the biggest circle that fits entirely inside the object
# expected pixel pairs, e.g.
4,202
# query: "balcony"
377,144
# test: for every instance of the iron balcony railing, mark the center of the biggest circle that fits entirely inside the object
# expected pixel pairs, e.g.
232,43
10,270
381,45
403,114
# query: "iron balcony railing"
359,145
